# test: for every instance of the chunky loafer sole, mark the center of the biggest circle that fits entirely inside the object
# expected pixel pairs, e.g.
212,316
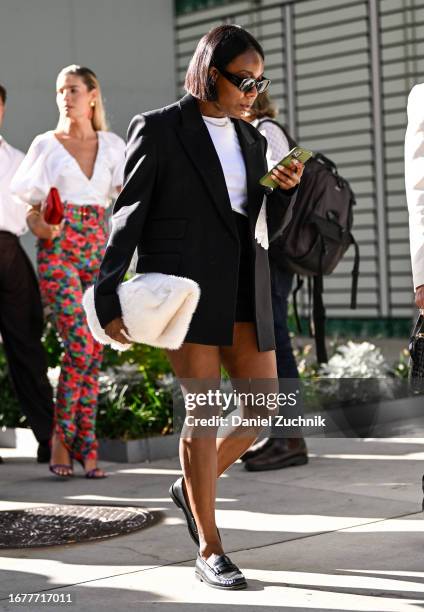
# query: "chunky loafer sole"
233,587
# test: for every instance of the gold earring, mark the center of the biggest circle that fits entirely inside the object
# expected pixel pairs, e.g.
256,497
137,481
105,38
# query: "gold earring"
93,104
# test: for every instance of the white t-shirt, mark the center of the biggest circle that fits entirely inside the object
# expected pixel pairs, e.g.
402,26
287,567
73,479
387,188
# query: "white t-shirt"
12,213
225,139
48,164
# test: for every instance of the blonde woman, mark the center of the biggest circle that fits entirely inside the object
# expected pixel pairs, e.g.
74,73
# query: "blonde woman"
85,163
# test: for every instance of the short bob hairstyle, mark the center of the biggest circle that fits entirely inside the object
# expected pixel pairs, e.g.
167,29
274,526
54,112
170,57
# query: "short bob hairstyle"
216,48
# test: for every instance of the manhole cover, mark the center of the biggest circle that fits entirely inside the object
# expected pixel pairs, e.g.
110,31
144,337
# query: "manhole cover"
52,525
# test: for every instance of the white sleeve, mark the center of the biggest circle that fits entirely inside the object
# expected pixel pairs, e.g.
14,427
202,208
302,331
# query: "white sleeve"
31,182
117,154
414,180
278,145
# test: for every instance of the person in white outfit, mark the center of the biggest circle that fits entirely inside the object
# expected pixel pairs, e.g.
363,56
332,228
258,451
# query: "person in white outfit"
414,183
84,162
21,312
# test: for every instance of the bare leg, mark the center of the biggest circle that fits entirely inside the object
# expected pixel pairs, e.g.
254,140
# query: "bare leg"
198,455
243,361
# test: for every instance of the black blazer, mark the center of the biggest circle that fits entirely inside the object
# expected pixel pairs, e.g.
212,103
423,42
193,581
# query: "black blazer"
175,209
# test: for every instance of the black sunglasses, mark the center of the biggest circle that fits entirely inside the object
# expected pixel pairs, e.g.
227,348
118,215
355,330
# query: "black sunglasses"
246,83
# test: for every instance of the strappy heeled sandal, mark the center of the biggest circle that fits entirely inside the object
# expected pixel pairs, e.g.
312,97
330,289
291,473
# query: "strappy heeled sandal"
93,473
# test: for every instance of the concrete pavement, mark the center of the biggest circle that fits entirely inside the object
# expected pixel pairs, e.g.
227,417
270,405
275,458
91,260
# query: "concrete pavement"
344,532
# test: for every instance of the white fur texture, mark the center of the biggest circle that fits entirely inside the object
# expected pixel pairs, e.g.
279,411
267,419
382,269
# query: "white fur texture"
156,308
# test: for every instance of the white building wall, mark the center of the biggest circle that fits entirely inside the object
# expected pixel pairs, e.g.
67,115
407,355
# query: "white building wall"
128,43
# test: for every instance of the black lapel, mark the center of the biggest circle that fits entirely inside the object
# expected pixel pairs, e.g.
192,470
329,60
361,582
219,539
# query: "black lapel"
255,162
198,144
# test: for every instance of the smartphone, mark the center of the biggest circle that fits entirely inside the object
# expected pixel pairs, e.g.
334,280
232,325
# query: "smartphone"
296,153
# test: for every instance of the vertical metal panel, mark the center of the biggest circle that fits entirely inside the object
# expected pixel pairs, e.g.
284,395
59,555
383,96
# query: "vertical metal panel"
377,111
333,96
288,63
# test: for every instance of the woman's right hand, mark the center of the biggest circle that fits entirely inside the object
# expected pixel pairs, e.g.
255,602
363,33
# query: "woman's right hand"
114,330
41,229
419,296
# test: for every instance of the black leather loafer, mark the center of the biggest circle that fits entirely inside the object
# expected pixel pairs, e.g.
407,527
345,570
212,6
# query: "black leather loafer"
176,492
220,573
279,453
256,449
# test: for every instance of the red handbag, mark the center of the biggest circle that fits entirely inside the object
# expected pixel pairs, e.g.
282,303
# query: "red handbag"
53,210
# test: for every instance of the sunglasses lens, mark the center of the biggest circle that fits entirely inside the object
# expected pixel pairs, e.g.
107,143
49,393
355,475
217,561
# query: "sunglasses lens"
247,84
263,85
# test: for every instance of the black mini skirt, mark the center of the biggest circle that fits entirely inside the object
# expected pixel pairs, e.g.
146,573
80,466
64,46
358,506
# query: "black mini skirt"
245,304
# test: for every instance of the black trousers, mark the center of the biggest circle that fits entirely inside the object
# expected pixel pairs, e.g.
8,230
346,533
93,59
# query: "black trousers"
281,285
21,328
288,374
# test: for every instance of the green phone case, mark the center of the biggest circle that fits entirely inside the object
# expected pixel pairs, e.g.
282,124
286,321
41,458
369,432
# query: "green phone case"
296,153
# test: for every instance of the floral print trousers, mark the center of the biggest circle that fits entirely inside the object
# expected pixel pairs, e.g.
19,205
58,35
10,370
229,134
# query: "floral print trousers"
67,265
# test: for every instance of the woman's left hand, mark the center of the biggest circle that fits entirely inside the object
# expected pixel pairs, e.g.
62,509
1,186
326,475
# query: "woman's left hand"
287,178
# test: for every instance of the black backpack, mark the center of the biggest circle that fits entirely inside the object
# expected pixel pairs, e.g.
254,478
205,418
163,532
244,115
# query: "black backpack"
317,237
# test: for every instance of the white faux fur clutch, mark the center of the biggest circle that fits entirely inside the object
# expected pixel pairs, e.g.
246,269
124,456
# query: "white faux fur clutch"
156,309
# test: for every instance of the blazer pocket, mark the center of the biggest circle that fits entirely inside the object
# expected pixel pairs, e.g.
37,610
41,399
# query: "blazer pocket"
165,229
167,263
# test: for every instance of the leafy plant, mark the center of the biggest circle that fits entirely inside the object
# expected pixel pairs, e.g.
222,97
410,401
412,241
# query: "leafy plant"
147,358
132,404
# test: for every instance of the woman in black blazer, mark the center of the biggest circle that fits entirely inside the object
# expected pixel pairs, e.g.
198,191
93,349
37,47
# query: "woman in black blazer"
190,205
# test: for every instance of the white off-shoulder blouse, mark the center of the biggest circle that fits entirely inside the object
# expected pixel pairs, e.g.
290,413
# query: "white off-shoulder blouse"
48,164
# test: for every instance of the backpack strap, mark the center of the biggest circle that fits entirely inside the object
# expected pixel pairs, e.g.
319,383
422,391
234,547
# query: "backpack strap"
310,317
318,312
355,274
319,319
299,285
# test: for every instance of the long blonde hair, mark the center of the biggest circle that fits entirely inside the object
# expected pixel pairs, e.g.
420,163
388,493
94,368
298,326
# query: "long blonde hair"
98,118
